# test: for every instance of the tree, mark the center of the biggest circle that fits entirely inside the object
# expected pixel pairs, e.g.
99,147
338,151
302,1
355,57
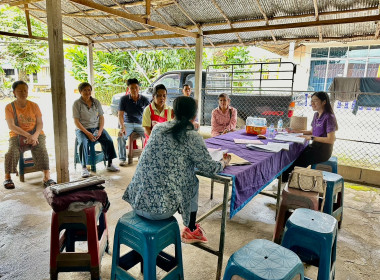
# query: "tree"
23,54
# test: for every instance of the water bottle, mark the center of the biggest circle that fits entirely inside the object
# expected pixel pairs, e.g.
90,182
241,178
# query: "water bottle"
279,125
271,131
96,133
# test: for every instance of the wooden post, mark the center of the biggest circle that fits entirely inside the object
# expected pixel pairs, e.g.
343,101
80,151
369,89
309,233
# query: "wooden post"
58,93
291,51
90,62
198,75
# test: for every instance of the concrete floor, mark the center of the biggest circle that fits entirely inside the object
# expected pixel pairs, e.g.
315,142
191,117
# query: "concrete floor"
25,221
25,224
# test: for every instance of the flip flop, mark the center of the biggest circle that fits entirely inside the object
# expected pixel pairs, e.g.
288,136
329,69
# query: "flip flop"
49,183
8,184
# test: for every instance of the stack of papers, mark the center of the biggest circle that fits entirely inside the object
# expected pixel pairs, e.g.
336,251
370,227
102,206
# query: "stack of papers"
290,138
248,141
270,147
236,160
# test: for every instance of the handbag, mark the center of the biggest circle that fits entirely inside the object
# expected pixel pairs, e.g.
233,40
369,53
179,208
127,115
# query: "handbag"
308,180
22,140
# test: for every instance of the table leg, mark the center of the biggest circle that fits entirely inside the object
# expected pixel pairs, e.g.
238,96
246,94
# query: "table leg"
278,194
222,231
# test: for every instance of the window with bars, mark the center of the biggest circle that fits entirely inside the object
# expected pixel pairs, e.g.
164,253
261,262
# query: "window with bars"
353,61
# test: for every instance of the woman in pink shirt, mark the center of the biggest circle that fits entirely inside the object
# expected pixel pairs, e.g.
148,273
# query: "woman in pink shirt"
223,118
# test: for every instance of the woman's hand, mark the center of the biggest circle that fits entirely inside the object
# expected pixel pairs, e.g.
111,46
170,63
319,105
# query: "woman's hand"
32,139
226,160
99,134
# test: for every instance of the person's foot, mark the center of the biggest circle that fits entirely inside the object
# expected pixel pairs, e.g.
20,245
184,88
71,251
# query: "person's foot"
112,168
85,173
8,184
49,183
123,163
196,236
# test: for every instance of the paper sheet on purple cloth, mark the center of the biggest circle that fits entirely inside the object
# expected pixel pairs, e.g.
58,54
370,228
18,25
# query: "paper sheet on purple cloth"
249,180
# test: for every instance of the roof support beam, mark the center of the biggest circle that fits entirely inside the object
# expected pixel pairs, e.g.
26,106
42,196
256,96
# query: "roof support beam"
227,20
317,18
38,38
28,21
135,18
147,9
295,25
266,18
129,39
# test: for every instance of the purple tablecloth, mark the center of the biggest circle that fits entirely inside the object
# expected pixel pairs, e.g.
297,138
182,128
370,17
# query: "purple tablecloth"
249,180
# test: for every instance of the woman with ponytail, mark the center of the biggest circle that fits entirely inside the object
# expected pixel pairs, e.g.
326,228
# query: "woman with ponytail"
165,180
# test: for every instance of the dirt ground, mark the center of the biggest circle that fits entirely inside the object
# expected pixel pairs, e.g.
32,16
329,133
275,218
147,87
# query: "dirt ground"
25,224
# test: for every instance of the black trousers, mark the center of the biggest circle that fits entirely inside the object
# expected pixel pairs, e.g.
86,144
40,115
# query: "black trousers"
314,153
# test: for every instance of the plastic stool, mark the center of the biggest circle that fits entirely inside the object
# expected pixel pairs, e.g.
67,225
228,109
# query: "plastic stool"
78,226
25,165
334,196
147,239
93,158
312,236
292,199
263,259
331,165
131,151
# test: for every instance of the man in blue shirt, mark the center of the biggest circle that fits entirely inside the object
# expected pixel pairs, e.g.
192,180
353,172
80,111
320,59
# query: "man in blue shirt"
131,108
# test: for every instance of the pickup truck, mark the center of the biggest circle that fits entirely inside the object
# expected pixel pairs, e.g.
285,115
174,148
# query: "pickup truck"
256,89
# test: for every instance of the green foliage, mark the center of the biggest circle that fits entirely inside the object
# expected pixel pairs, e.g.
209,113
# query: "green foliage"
23,54
113,69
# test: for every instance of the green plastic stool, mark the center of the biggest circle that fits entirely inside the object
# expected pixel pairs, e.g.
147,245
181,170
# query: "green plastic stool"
264,260
147,239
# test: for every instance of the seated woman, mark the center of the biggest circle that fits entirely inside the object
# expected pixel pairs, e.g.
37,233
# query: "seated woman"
223,118
322,134
24,118
157,111
89,120
165,180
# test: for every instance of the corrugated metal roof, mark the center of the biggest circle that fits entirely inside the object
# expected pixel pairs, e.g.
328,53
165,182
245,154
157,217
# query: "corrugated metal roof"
251,18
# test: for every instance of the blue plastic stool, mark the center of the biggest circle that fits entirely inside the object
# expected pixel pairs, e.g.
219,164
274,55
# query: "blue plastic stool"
262,259
25,165
334,196
94,156
147,239
312,236
330,165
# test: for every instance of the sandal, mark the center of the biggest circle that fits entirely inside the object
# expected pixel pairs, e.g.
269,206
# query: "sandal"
8,184
49,183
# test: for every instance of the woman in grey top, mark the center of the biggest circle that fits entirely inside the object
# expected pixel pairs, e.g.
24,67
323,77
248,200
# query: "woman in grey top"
89,120
165,180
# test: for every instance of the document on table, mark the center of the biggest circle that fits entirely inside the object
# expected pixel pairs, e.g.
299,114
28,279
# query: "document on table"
236,160
270,147
248,141
216,154
290,138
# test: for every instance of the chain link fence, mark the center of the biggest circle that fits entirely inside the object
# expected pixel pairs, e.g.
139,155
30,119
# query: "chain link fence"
358,136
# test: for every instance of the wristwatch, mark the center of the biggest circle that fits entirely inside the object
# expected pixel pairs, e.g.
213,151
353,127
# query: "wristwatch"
312,138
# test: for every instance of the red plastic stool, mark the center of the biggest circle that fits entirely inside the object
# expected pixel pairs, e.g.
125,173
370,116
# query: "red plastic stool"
78,226
133,150
291,200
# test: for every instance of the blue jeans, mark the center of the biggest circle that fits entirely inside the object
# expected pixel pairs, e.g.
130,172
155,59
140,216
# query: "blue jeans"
121,140
167,215
105,140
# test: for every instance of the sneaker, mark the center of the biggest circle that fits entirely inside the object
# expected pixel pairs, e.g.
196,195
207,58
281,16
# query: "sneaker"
112,168
123,163
198,235
85,173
